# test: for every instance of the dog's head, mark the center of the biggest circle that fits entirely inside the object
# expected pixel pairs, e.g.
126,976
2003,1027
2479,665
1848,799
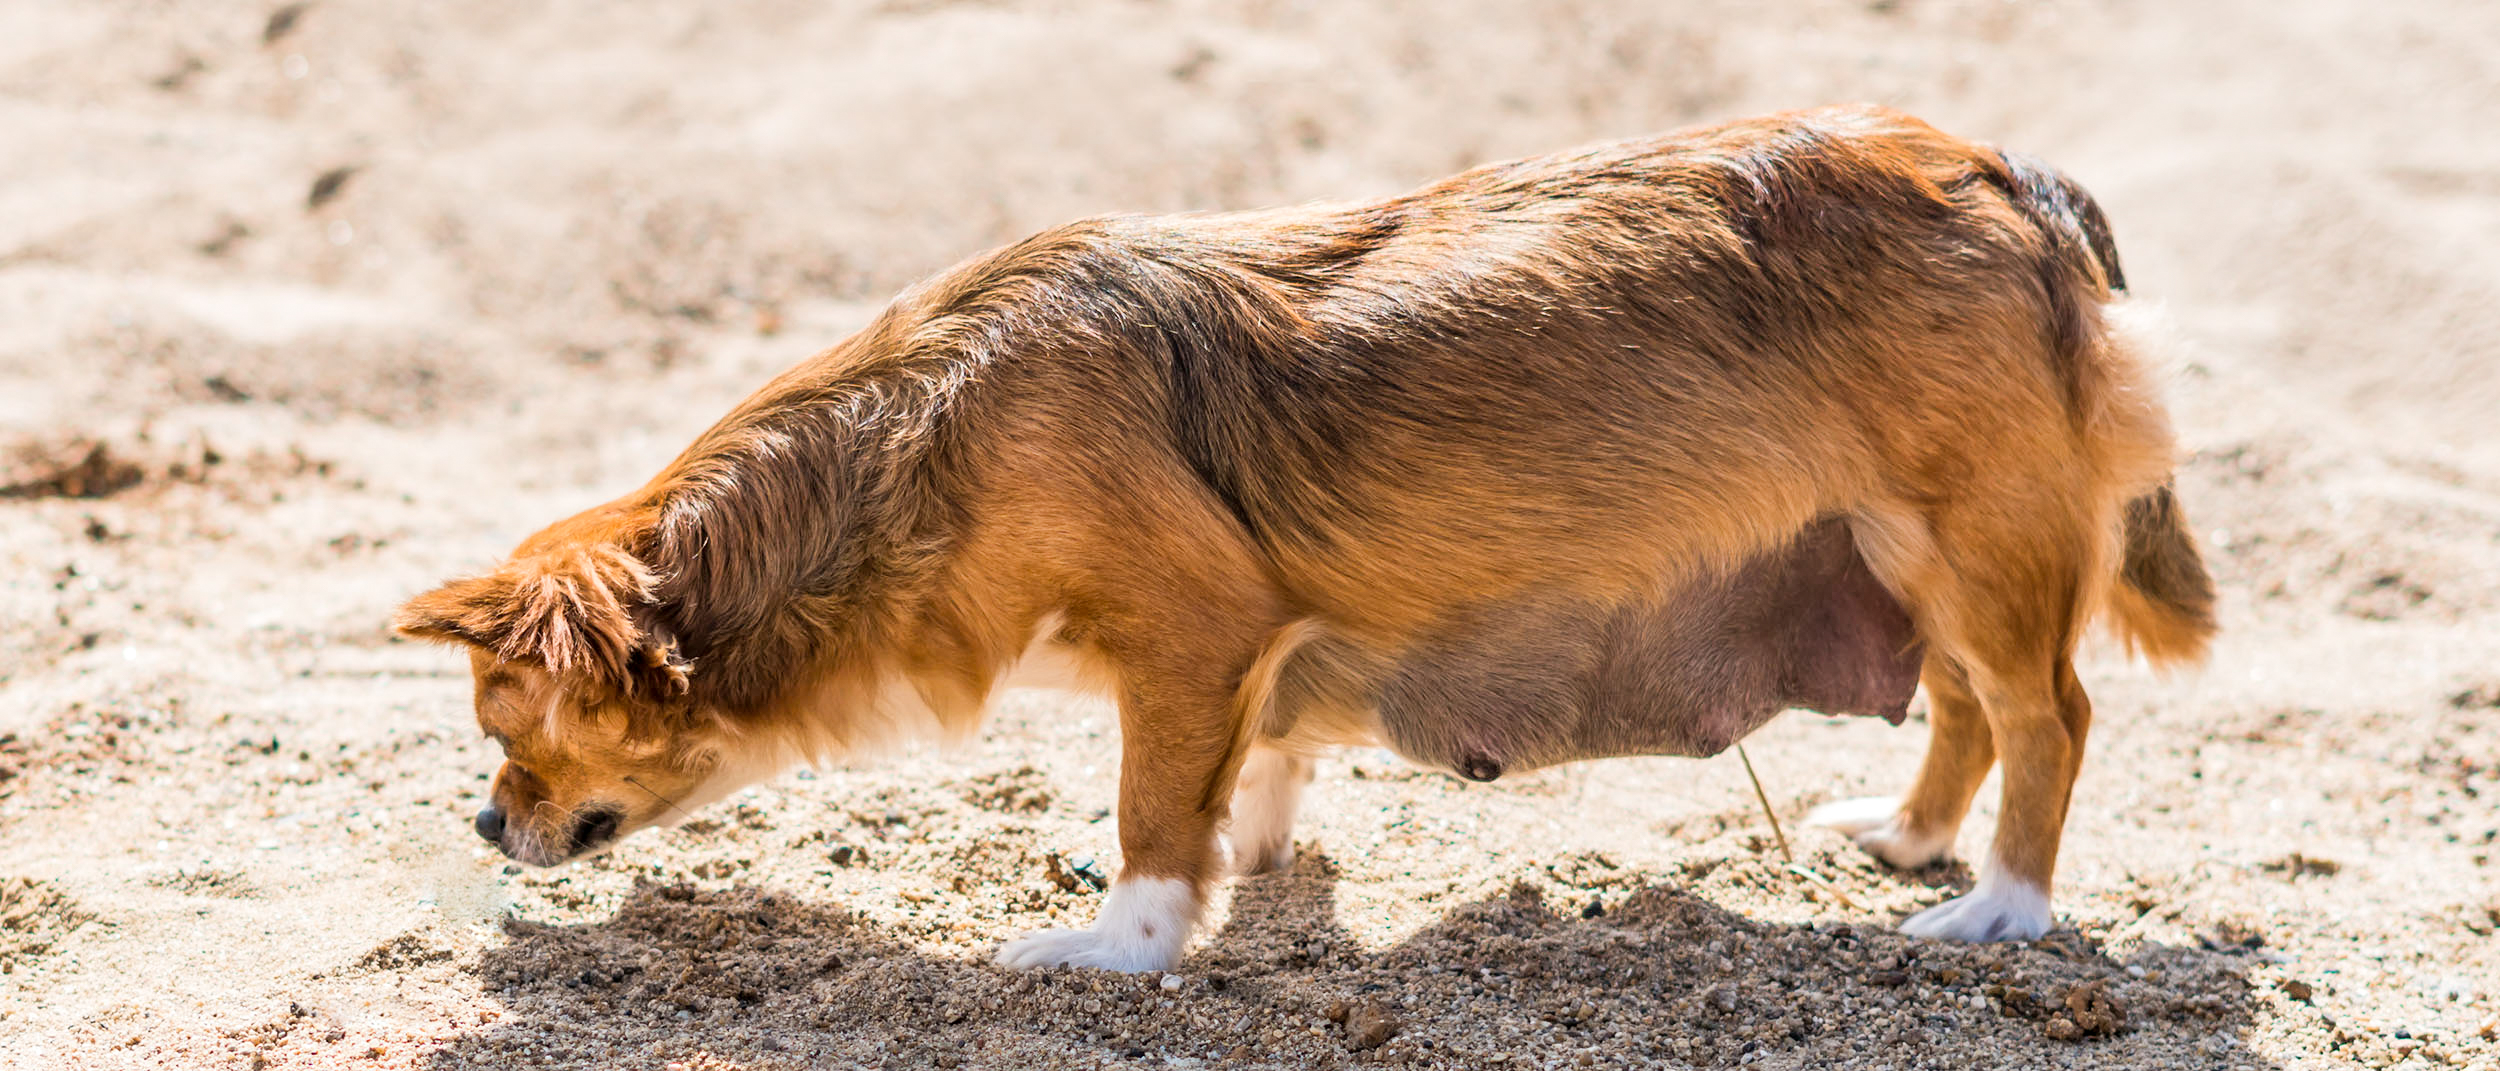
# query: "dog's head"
586,693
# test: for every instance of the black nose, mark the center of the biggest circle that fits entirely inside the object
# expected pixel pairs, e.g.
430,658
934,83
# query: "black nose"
490,825
594,828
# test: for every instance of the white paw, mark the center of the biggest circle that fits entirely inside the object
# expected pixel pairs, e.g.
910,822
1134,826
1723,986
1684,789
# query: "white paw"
1253,857
1265,799
1856,816
1081,948
1997,909
1142,927
1877,824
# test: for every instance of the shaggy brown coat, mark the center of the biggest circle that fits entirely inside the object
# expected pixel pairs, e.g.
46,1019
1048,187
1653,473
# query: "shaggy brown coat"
1376,471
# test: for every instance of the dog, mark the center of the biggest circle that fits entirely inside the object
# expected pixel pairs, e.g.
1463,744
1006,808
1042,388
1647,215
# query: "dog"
1616,451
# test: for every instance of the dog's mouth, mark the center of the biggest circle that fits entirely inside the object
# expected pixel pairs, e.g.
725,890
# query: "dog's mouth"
593,829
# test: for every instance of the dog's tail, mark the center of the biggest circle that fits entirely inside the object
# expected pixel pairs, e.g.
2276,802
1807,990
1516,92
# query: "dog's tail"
2162,605
1253,702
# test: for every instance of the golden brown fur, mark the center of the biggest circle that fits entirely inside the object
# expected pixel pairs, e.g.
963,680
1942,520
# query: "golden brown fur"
1245,462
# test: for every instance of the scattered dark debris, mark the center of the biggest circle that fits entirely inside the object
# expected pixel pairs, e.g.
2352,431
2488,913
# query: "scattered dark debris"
402,952
282,22
34,917
180,74
328,186
716,869
352,542
207,881
2386,596
15,756
2089,1011
2231,936
1071,874
1023,790
224,390
2296,866
2296,989
1368,1023
78,468
228,233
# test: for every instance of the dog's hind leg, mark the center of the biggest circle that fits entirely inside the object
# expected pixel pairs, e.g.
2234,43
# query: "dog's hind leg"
1265,800
1919,829
2007,616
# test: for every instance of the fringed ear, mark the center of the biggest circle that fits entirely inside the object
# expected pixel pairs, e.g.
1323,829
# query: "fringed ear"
580,612
472,610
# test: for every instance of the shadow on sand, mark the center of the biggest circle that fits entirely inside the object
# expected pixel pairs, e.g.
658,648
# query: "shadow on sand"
1651,976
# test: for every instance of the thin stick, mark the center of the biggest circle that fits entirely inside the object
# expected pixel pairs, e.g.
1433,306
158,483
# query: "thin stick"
1765,797
681,813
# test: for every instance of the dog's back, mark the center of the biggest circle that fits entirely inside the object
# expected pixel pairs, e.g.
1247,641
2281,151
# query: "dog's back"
1593,371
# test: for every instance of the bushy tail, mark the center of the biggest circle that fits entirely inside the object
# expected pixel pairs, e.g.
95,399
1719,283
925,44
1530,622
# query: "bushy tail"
2163,604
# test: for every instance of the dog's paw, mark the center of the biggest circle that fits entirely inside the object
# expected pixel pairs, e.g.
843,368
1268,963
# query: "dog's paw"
1082,948
1142,927
1264,856
1997,910
1264,801
1877,824
1856,816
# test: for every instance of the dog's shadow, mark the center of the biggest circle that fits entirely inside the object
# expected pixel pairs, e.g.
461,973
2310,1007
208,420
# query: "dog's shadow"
1648,974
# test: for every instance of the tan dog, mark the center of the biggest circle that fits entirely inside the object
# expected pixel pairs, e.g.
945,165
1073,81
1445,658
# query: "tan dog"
1615,451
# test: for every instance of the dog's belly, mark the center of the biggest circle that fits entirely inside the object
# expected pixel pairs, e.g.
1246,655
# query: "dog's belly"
1530,684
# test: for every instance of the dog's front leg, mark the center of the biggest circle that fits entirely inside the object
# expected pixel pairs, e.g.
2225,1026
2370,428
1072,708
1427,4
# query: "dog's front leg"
1177,765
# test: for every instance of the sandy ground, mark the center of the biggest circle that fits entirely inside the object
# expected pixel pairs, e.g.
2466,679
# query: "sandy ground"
302,310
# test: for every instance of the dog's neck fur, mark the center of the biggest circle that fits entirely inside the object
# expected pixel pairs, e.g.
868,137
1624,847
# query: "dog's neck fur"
793,540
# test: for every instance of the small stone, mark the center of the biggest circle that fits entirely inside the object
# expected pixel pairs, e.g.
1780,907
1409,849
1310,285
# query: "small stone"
1087,871
1369,1026
2297,990
1171,983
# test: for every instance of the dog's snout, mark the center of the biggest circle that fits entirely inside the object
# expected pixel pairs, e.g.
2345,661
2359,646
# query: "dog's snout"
490,825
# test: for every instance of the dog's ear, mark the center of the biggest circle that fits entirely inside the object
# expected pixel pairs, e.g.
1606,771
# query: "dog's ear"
582,613
471,610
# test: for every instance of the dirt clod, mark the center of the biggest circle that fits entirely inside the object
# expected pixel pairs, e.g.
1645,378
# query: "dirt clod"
1370,1025
2089,1011
75,468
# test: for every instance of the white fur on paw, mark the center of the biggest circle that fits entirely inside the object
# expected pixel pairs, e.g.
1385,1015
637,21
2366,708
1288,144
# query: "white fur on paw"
1265,798
1252,858
1142,927
1877,824
1856,816
1999,908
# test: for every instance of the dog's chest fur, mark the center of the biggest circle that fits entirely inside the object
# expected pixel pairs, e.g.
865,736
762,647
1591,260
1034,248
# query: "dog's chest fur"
1534,683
